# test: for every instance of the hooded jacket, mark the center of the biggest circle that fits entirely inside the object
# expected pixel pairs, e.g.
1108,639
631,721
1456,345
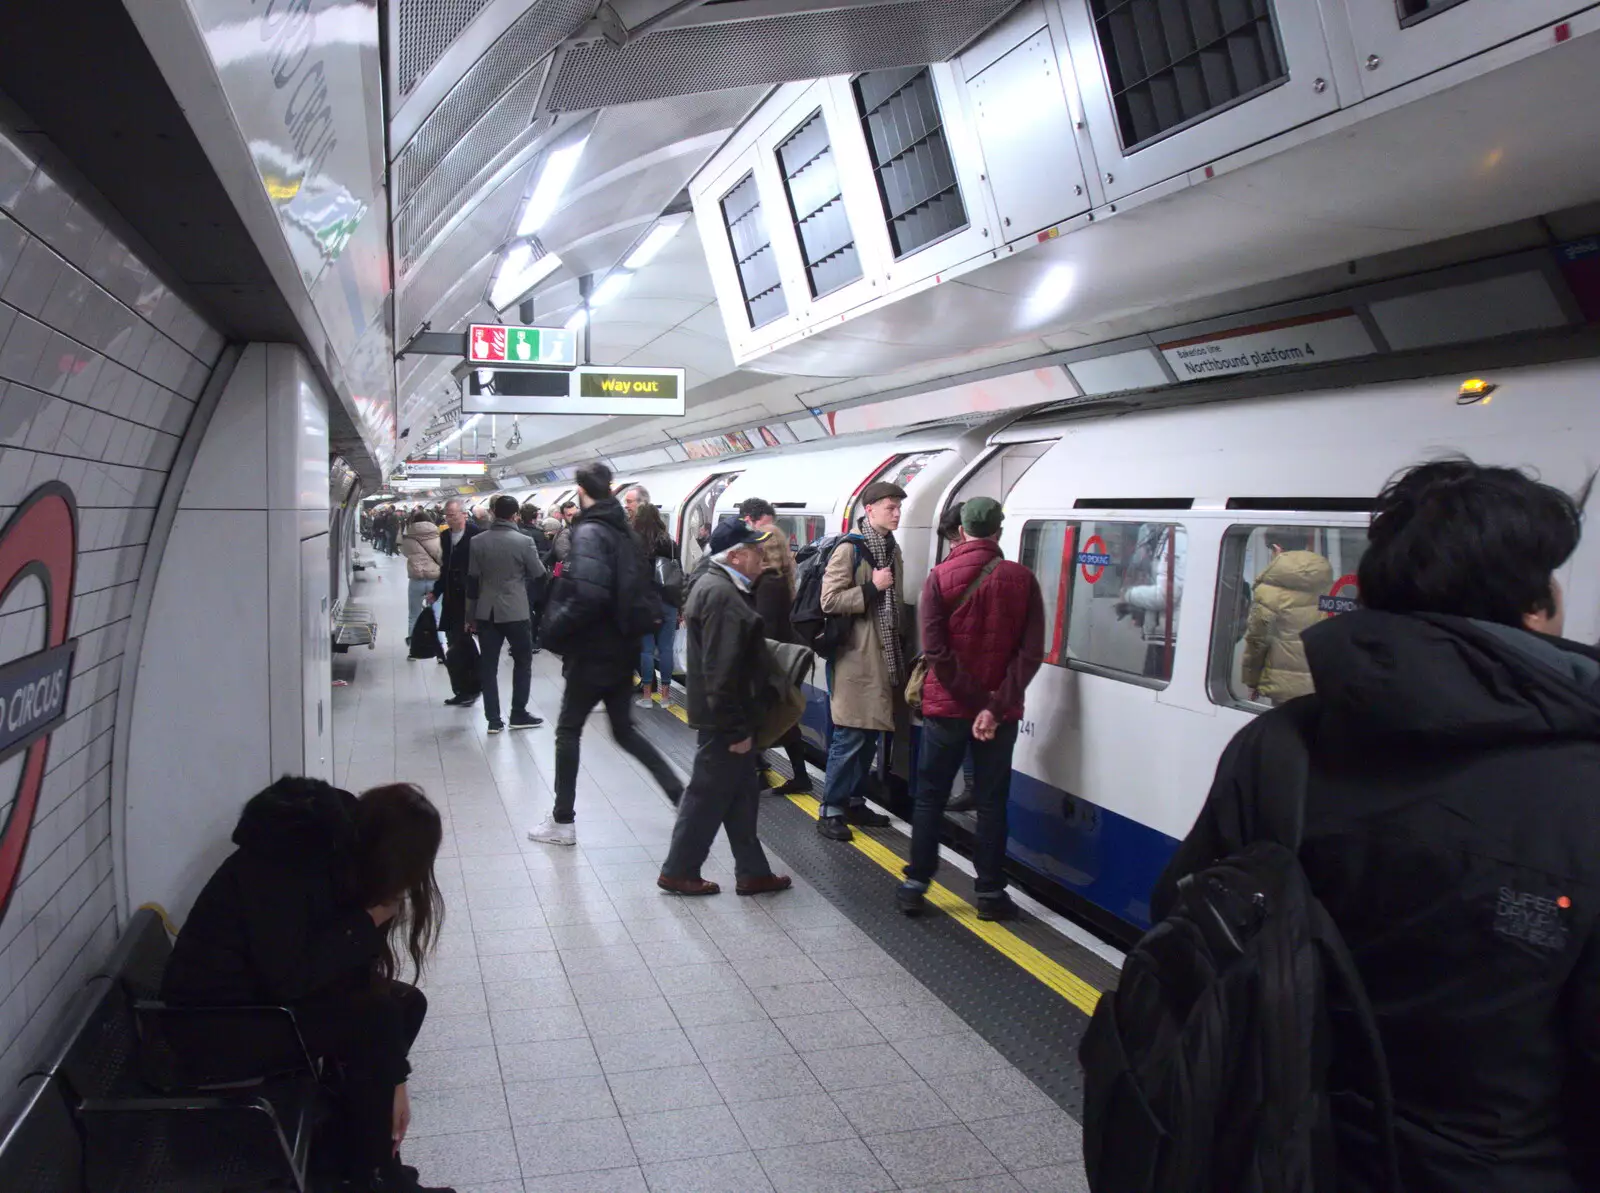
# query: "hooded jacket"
1452,833
279,922
1283,605
581,616
420,546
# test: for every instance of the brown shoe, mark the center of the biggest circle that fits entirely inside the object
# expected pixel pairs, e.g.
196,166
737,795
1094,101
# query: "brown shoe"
765,886
688,886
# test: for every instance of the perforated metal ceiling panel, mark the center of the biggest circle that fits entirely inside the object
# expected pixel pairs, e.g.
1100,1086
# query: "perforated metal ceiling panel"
426,29
764,52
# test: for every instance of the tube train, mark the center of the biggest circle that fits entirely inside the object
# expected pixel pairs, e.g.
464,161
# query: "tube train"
1146,528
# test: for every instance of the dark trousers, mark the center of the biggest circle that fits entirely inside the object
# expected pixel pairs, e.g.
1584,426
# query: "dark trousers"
945,743
724,792
794,745
461,657
519,635
578,699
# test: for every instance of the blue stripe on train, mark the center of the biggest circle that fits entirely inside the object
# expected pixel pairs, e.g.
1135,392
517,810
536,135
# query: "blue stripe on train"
1099,855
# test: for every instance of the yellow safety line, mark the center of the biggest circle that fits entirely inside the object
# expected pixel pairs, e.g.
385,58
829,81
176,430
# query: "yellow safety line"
1004,941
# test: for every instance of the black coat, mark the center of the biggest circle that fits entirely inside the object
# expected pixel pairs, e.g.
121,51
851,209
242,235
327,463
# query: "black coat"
773,602
728,662
581,617
1453,832
279,922
451,586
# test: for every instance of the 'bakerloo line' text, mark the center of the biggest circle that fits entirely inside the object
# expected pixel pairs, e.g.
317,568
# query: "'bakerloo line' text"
1245,360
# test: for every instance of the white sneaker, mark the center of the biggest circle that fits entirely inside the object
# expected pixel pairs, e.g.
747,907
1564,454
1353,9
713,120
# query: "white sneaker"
551,833
645,702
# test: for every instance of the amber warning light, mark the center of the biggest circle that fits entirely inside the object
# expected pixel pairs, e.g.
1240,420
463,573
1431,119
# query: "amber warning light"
1475,390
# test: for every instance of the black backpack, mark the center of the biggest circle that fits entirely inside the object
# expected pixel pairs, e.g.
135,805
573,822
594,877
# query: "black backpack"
823,632
639,610
1206,1071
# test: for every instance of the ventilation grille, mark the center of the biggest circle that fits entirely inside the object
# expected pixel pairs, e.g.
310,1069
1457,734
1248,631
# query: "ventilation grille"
437,281
427,28
515,56
773,50
1412,11
916,176
816,204
1174,62
752,253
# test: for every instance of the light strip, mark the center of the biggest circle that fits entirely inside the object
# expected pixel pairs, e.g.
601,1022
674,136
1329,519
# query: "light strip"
458,432
553,178
610,288
519,272
579,318
666,228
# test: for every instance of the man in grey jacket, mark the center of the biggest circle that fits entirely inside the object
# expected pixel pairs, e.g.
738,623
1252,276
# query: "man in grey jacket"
728,666
503,565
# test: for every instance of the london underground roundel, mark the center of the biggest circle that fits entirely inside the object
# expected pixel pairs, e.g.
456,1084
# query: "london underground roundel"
40,540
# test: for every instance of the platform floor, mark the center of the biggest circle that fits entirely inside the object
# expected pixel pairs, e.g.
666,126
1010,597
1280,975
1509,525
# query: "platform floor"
589,1034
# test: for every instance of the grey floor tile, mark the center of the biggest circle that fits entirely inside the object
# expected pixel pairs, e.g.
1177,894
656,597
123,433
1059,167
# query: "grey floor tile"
677,1088
451,970
475,1158
719,1006
590,936
592,988
830,1029
520,967
856,963
537,1023
1056,1178
444,1032
777,971
609,1180
883,989
493,1187
853,1068
559,1100
903,1106
669,954
843,1166
691,979
588,911
507,919
997,1183
990,1093
1032,1140
736,1172
805,998
543,1059
935,1154
458,1069
645,1050
938,1056
594,1145
520,940
500,897
737,1041
761,1078
660,917
528,994
680,1134
634,1015
761,946
898,1021
607,959
465,998
800,1118
454,1111
830,939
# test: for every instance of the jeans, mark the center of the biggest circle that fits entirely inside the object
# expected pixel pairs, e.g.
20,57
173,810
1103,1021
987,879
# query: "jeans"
578,699
519,634
655,651
724,791
850,756
945,742
415,591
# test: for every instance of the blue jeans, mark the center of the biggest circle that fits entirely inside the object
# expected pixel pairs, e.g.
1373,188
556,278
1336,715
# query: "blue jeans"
945,742
850,756
415,591
655,650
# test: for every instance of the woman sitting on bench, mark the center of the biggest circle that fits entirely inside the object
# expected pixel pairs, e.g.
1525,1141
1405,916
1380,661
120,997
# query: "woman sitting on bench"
307,913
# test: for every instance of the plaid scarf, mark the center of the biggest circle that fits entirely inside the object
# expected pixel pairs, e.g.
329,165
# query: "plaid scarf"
887,612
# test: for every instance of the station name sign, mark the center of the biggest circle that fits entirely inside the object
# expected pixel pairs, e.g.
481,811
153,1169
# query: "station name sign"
497,346
587,389
33,696
416,468
1307,340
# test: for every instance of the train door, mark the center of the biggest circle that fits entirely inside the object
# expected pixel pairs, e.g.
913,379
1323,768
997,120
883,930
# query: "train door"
995,475
698,510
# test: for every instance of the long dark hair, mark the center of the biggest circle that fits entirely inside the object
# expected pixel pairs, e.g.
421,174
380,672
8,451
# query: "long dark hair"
647,524
398,832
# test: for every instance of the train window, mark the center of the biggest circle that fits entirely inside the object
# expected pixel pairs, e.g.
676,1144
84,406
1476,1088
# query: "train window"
1274,583
901,470
1112,593
802,529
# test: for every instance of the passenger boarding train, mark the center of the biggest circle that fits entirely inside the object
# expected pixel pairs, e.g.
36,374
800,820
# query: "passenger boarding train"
1147,528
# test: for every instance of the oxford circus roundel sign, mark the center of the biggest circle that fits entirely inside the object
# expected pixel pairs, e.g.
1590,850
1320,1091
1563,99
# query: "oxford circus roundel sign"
40,540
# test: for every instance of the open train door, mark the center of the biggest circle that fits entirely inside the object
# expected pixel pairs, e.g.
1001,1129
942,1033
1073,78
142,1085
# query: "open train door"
994,474
696,513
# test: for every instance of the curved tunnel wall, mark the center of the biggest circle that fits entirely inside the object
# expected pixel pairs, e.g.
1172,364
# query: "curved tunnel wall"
101,366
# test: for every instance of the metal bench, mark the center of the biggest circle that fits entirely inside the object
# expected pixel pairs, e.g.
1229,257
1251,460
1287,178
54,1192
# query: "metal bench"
353,625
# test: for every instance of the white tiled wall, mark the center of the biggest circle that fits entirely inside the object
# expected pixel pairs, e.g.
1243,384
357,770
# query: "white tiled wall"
100,369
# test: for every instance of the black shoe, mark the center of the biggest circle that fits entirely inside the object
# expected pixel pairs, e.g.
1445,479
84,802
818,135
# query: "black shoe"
496,727
996,907
466,700
909,899
964,802
795,786
523,720
864,817
834,828
538,650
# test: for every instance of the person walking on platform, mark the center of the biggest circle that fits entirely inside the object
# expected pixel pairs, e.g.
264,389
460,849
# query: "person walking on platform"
603,579
656,650
774,596
982,620
1452,756
450,590
728,665
423,557
866,678
501,569
528,524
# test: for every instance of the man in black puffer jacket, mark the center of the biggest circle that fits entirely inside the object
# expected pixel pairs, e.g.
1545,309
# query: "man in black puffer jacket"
600,582
1451,832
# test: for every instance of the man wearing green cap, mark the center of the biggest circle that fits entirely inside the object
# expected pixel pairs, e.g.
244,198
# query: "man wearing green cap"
983,640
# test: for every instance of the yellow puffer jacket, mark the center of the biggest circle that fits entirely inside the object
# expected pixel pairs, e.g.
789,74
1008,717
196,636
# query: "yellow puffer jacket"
1282,607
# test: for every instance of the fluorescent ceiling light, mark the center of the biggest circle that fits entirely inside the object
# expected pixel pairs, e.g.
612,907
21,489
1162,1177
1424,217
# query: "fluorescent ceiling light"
519,272
610,288
558,167
652,244
458,432
1049,297
579,318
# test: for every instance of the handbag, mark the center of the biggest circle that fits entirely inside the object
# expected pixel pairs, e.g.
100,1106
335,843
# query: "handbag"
919,665
425,635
